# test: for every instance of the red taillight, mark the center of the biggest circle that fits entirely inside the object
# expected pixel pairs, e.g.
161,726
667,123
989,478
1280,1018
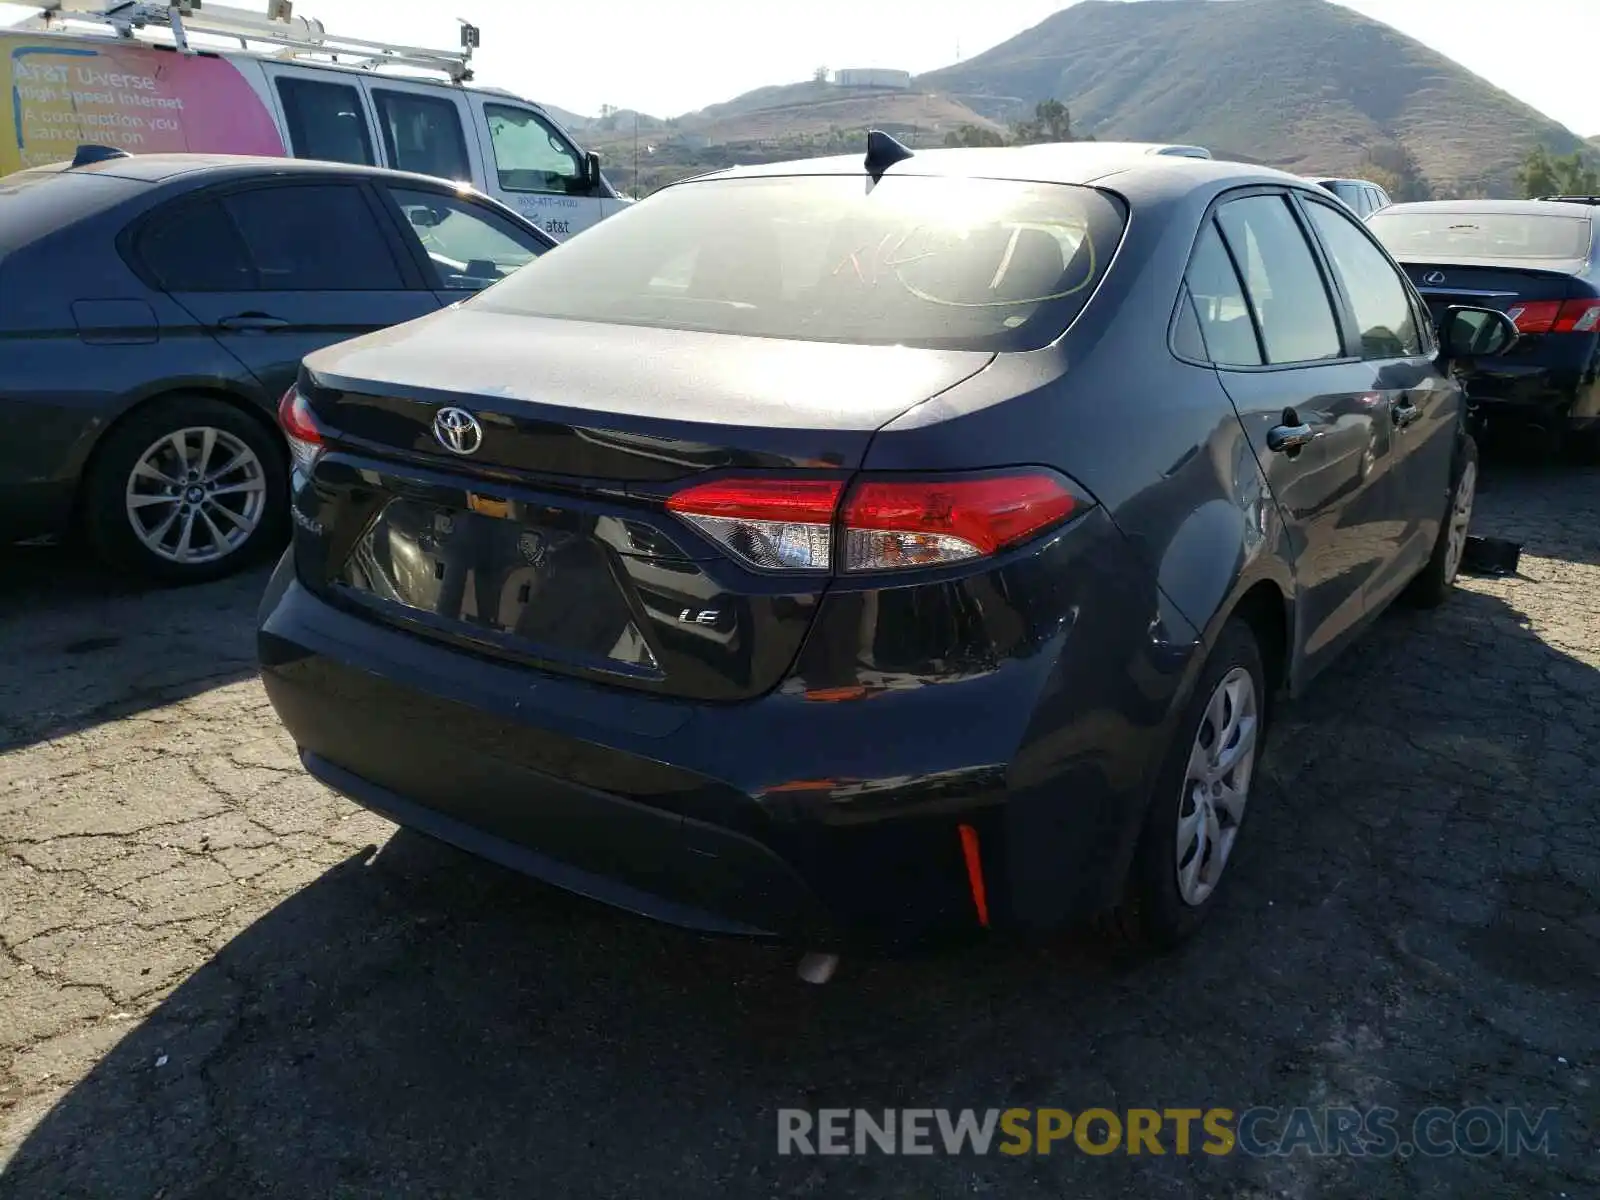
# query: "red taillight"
1578,316
891,523
300,427
888,523
775,524
1554,316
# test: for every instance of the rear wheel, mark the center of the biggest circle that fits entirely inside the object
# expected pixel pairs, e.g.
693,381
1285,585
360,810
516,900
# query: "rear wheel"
186,490
1433,586
1202,790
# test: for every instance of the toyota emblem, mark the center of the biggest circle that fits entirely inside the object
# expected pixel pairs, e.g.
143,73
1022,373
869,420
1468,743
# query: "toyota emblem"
1435,277
457,430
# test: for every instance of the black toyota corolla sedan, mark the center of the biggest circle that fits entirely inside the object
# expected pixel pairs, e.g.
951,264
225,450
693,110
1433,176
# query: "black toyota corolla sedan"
857,548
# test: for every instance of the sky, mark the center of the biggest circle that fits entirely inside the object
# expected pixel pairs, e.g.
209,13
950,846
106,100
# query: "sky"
667,57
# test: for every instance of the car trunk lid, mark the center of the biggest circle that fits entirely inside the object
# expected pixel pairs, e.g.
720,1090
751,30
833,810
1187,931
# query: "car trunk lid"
1487,283
547,539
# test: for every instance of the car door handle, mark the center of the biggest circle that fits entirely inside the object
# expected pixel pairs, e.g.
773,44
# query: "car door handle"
1404,413
251,323
1290,439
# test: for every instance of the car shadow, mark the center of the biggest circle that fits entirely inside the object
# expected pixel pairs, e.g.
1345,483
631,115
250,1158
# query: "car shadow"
418,1023
1550,505
83,646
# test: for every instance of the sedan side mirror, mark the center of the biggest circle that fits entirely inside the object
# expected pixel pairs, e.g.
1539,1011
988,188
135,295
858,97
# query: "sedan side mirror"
1477,332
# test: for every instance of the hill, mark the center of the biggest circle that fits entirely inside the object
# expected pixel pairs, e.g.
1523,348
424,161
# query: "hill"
570,120
1304,84
768,125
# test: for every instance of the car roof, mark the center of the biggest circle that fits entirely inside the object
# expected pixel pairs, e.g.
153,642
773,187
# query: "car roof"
124,178
1510,208
162,168
1134,165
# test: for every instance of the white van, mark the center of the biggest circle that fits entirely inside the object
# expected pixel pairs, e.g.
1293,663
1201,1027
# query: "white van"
137,76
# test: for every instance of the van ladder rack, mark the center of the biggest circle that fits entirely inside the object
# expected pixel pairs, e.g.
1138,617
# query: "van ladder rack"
297,38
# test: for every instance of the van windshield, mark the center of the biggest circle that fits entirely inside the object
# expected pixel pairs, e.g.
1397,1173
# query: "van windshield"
940,263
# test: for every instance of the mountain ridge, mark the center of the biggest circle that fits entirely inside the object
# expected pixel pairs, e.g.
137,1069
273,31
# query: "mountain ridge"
1307,85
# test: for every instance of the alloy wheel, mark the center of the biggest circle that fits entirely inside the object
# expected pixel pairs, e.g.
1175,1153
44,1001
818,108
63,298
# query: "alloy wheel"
196,495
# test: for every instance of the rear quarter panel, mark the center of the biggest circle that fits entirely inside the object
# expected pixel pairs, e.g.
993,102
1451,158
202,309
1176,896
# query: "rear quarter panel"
1158,445
1154,439
83,341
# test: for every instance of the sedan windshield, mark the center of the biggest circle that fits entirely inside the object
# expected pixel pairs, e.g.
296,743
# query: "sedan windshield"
960,264
1442,236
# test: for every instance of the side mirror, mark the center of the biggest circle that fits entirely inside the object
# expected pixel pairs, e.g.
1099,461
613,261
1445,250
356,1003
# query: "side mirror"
424,217
1477,332
591,171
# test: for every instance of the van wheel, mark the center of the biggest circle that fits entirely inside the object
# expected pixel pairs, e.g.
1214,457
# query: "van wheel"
1201,792
187,489
1433,586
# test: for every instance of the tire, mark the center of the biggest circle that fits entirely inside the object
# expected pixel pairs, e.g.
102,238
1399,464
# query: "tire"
1432,587
1158,913
124,506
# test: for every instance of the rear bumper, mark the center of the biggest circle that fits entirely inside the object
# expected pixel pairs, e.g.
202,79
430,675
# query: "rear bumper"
1558,396
780,817
638,849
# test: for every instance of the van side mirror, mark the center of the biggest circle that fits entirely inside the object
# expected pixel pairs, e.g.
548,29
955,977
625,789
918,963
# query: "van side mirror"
1468,332
591,171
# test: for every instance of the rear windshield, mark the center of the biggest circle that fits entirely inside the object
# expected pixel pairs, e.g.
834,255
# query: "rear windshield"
1443,236
957,264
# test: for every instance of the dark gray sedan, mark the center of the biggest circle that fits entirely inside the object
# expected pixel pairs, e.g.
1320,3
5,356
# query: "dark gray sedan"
153,310
862,546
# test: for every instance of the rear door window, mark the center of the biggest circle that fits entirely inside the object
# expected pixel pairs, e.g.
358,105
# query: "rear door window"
1285,287
468,246
530,155
319,237
1220,304
422,134
1378,294
193,246
326,120
1187,339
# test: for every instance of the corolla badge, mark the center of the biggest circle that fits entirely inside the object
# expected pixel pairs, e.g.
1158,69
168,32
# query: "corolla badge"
1435,277
457,430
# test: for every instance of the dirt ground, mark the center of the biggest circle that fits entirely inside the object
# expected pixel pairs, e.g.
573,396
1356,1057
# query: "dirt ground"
219,979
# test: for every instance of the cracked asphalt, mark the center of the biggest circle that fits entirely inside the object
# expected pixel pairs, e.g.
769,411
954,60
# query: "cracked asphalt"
218,979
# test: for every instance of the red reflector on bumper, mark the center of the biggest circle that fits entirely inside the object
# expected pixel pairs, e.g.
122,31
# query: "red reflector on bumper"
969,850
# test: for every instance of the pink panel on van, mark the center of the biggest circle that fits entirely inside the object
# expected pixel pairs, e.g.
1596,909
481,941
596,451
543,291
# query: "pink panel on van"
140,99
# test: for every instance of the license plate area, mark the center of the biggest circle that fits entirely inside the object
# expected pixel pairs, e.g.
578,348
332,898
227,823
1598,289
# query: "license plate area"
529,578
